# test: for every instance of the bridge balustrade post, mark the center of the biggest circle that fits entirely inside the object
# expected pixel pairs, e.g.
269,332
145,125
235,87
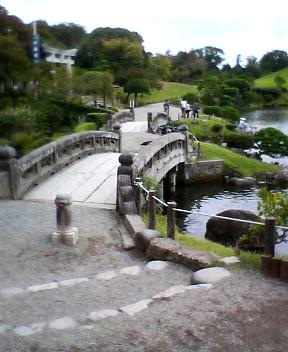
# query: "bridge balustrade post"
151,210
184,130
171,223
9,173
65,233
117,130
149,122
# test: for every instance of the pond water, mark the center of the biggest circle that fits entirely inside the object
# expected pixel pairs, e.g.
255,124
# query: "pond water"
213,198
277,118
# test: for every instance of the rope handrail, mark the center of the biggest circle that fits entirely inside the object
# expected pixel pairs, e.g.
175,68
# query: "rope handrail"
139,184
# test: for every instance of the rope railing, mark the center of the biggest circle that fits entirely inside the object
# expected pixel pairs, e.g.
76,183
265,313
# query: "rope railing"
269,223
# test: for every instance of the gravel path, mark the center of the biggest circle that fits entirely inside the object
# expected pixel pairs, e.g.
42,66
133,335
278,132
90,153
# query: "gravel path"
244,312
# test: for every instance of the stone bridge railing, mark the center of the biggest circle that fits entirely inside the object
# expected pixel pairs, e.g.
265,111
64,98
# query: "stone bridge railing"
161,156
17,176
155,122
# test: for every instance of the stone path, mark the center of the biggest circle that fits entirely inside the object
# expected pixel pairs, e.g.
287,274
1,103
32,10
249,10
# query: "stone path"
98,297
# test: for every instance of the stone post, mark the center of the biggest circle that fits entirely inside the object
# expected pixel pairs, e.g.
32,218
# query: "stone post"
126,161
149,122
110,121
171,220
117,130
184,130
9,173
138,195
269,236
151,210
65,233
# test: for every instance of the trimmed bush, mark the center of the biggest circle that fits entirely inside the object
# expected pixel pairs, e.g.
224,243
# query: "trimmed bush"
273,142
99,118
86,126
217,127
240,140
231,126
230,113
212,110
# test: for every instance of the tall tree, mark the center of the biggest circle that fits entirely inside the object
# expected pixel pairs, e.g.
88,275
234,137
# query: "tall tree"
274,61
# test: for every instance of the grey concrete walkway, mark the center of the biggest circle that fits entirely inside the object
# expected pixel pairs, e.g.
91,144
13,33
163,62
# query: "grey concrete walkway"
98,298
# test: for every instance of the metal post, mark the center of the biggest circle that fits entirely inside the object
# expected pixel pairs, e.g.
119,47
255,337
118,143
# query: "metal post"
269,237
151,210
171,220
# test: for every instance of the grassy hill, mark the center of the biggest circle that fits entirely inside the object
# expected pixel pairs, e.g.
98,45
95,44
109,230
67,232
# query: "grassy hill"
169,90
267,81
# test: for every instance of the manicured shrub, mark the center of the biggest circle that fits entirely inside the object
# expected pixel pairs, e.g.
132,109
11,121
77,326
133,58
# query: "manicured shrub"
212,110
272,141
231,91
230,113
99,118
240,140
231,126
24,143
217,127
86,126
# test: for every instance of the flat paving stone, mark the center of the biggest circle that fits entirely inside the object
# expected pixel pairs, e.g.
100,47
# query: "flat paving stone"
63,323
230,260
131,270
102,314
156,265
134,308
209,275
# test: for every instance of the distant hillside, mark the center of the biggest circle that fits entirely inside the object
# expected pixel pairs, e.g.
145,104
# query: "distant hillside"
170,91
267,81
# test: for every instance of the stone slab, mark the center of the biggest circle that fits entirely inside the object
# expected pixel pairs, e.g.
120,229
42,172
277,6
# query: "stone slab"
209,275
167,249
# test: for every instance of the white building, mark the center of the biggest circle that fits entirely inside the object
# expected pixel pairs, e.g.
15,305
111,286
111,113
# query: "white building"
59,56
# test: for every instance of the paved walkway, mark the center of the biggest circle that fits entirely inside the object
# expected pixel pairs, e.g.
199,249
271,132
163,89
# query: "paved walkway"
97,297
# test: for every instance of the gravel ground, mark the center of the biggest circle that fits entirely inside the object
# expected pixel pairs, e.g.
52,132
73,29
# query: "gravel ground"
245,312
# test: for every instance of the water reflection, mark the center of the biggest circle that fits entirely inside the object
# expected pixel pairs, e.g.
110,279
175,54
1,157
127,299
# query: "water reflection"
277,118
213,198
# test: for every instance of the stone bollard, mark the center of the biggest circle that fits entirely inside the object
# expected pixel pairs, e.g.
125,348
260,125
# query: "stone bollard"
9,179
65,233
117,130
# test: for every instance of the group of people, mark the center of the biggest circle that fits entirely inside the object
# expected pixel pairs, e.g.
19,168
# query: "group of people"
186,109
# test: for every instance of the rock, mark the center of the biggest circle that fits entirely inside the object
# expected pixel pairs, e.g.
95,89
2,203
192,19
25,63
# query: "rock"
156,265
143,238
209,275
228,231
230,260
167,249
244,182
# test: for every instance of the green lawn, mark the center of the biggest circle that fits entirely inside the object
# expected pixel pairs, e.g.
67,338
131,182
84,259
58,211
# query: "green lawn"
267,81
169,90
247,259
244,165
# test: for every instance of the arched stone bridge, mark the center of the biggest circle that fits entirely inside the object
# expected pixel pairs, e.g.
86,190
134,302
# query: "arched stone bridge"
52,169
